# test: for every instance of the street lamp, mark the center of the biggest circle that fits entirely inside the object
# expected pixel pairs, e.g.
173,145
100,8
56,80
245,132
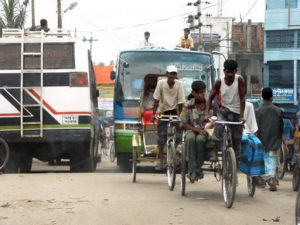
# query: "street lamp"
70,7
60,13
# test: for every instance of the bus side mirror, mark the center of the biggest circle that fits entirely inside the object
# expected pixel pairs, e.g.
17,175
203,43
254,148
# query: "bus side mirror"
112,75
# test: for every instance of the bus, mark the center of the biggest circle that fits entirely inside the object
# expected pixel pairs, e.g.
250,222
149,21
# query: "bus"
48,100
131,68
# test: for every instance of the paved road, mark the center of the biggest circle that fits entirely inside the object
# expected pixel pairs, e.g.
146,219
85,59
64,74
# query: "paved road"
109,197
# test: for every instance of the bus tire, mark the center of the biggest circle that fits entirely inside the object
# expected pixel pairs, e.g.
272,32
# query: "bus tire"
25,163
82,160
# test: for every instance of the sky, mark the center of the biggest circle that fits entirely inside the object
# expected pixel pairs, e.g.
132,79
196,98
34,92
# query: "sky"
120,24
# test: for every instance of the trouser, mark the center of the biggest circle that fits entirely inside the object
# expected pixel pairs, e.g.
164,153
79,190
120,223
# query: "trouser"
195,146
162,131
271,160
236,130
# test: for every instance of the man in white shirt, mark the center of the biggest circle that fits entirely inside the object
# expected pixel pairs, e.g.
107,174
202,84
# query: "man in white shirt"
169,95
146,43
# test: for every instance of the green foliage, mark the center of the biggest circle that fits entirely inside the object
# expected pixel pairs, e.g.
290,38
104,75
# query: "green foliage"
101,64
12,14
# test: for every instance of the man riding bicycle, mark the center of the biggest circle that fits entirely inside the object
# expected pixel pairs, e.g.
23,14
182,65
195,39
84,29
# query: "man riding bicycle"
231,89
169,95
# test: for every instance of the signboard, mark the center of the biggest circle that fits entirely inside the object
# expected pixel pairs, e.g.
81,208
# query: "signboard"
70,119
283,95
105,103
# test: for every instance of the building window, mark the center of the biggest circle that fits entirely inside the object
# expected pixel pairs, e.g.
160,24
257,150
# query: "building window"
281,74
298,73
298,39
293,3
280,39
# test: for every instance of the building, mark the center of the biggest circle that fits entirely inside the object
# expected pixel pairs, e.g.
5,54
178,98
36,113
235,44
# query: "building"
282,51
106,89
248,50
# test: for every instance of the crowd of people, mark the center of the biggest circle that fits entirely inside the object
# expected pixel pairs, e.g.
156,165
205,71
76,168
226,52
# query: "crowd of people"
266,122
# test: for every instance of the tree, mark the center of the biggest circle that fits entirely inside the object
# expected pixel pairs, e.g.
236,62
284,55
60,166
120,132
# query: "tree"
112,62
12,13
101,64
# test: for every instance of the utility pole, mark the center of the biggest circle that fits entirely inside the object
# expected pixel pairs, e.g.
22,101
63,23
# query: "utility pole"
220,7
199,24
32,14
198,17
59,15
90,40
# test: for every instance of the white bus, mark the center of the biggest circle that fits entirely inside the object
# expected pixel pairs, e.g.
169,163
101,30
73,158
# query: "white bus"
48,99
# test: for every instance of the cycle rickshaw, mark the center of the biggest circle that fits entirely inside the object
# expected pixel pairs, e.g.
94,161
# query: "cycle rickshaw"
224,169
144,143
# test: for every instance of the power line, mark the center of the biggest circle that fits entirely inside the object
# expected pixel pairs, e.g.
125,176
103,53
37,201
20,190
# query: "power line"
250,9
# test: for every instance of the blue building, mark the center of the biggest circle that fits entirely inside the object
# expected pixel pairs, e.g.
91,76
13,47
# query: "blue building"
282,52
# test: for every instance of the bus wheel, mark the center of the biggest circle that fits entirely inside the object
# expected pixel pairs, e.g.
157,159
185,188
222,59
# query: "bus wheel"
82,160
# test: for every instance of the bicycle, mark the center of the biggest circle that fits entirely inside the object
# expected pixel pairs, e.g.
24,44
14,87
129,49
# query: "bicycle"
4,153
281,163
170,146
112,151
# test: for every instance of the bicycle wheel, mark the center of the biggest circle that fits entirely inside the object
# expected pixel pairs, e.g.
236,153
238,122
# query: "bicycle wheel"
134,159
297,211
296,175
112,152
281,163
183,169
171,165
229,177
251,186
4,153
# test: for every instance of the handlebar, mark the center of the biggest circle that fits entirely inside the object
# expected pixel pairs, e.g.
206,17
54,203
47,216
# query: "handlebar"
228,122
168,118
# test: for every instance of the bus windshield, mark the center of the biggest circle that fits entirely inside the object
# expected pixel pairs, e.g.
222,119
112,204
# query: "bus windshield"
134,66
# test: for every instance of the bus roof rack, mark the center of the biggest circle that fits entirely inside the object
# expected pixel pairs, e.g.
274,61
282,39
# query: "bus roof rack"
18,33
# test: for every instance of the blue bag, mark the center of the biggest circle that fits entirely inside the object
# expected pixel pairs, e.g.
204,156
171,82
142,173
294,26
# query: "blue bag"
252,159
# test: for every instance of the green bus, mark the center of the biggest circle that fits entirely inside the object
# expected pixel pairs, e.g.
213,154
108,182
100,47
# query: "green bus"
131,68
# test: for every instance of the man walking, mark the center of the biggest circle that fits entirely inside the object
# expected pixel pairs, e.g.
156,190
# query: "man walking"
270,131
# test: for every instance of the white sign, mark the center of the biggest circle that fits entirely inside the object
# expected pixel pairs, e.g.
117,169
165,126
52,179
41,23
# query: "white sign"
70,120
105,103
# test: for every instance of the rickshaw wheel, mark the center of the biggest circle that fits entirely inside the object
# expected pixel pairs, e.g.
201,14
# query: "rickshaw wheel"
183,169
134,159
112,152
297,209
296,176
251,186
229,177
171,165
280,170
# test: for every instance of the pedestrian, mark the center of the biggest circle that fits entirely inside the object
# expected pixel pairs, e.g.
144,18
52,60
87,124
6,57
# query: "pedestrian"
249,115
193,121
146,43
186,41
169,96
231,89
44,25
270,131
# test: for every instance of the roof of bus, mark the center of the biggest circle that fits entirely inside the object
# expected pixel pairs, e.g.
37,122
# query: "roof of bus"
164,50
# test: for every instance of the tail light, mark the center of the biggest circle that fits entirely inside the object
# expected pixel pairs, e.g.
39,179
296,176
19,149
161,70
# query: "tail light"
79,79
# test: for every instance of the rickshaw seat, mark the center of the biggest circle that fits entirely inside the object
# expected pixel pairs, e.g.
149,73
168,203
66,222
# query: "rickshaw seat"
148,125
